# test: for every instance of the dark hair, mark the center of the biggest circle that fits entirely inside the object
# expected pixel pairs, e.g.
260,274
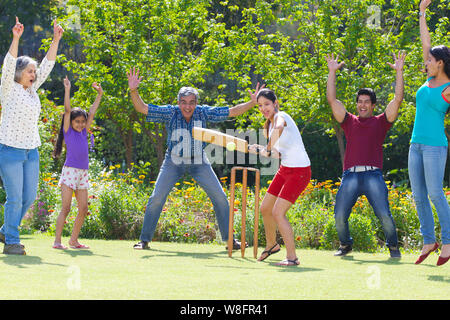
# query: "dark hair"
75,113
268,94
442,53
367,92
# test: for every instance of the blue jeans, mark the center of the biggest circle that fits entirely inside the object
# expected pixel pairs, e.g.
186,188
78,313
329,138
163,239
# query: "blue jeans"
19,170
170,172
426,166
372,185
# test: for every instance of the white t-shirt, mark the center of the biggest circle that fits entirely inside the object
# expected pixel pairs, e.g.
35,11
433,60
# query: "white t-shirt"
290,143
21,107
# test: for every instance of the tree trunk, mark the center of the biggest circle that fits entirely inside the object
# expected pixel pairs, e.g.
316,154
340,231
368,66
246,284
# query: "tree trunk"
341,142
127,137
159,140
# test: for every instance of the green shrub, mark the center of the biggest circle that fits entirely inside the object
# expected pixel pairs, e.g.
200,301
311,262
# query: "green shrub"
361,230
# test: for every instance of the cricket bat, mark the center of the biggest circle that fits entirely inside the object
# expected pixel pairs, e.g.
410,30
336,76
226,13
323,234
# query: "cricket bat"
221,139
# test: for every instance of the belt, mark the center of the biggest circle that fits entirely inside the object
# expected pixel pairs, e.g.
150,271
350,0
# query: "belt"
362,168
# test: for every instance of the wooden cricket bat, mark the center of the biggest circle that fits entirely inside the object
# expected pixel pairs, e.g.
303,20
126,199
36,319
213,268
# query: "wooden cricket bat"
222,139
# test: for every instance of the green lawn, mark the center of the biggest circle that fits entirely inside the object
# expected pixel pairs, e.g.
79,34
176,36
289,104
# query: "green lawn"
113,270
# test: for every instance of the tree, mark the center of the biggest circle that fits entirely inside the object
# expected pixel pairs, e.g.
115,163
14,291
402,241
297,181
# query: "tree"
164,39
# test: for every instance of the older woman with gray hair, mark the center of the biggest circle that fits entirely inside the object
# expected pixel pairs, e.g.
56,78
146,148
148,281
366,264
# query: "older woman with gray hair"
19,134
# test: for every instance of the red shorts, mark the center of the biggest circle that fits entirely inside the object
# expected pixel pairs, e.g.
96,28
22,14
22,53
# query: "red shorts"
289,183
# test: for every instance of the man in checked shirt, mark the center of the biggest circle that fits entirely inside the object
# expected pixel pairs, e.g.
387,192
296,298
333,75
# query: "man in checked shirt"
184,154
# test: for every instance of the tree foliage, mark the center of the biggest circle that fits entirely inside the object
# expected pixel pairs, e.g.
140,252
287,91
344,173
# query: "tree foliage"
225,47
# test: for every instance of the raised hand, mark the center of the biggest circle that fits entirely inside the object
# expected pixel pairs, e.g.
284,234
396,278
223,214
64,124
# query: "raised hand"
133,78
57,31
253,95
97,87
399,61
66,83
17,29
424,5
333,64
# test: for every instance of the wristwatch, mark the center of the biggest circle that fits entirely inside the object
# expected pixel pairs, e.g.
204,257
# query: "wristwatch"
422,14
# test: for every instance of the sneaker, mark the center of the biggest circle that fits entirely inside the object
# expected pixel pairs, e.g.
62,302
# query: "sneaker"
237,245
15,248
343,250
395,252
141,245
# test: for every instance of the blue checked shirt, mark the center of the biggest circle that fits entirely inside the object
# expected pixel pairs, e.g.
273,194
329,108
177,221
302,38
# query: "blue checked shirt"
179,132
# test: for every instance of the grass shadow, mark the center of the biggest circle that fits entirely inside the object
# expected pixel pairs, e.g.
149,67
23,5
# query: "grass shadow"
295,269
23,261
388,261
76,253
439,278
196,255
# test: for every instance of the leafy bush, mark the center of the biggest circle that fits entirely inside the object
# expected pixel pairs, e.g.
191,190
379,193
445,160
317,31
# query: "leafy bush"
118,196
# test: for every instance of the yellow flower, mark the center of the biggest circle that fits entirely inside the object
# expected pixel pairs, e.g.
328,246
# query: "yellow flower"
142,177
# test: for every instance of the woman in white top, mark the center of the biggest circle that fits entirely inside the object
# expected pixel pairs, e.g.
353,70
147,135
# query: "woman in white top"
291,179
19,135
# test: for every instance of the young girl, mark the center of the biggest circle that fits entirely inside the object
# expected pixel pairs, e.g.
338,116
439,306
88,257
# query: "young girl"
74,176
290,180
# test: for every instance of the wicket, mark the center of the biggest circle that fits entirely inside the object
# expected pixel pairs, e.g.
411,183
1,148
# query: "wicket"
243,209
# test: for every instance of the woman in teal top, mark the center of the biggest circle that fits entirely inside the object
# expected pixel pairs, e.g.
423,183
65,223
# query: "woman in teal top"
428,150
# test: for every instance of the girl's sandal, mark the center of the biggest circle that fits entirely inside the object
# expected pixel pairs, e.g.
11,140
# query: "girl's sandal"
288,263
269,252
80,246
59,246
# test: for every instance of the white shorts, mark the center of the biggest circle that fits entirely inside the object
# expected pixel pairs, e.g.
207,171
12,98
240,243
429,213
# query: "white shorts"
74,178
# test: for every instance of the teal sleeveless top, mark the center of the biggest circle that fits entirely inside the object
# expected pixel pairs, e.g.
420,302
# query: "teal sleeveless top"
431,108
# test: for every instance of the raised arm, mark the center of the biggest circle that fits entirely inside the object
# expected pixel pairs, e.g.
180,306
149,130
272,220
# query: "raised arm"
394,105
48,62
95,105
133,83
57,35
9,63
424,33
337,107
17,33
67,108
244,107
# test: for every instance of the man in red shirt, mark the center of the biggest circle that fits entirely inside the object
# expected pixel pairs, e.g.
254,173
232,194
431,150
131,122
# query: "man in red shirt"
363,159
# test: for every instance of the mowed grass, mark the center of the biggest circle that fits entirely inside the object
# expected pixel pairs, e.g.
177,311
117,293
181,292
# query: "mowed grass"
113,270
